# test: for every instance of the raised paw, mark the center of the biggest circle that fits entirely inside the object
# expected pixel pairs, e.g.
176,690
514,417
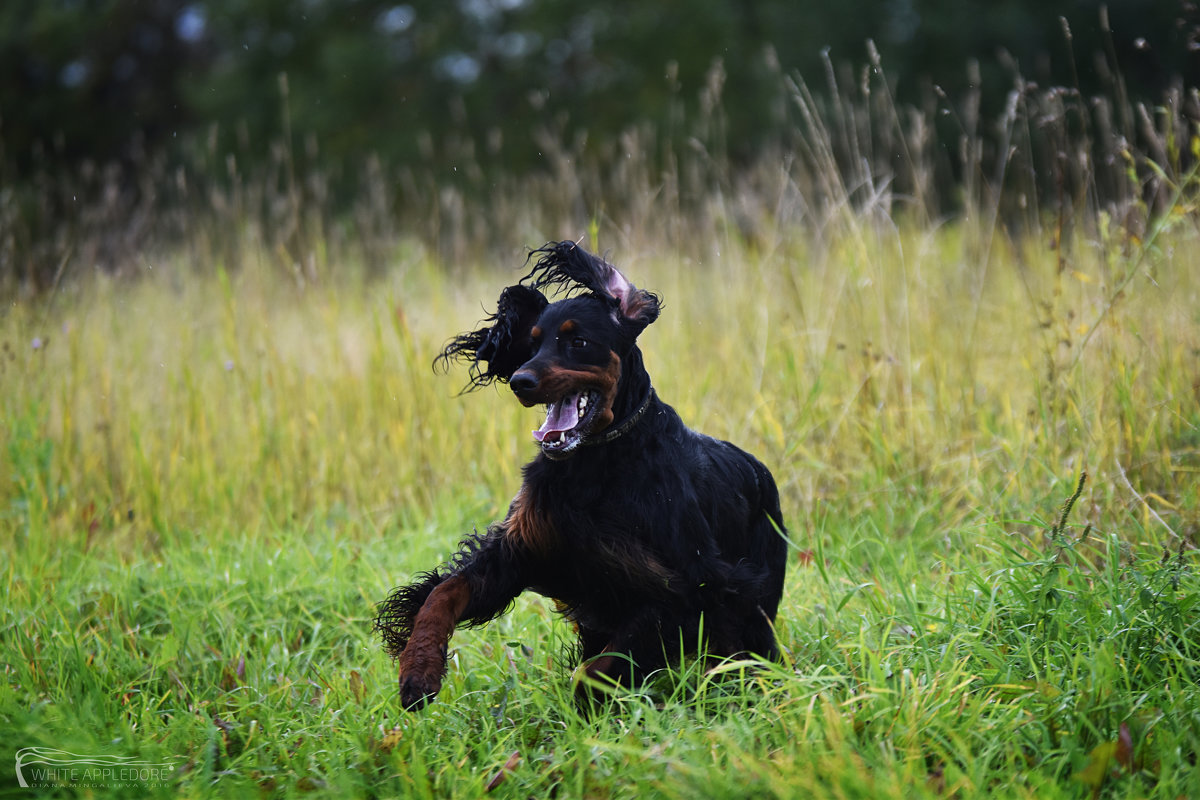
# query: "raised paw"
417,690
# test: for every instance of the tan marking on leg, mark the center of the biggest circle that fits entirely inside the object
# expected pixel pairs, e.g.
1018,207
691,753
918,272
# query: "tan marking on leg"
527,524
423,662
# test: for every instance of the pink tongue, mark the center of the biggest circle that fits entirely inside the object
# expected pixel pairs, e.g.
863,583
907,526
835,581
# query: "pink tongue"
562,417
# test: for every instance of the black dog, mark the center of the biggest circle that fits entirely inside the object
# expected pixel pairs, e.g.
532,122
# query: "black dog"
652,539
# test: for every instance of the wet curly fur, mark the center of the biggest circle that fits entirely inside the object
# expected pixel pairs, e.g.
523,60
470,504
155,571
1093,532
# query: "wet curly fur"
652,539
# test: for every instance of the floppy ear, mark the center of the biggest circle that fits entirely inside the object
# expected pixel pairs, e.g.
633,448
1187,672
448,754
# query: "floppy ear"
566,263
503,344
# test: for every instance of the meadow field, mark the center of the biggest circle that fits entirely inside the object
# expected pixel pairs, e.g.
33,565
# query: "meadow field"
217,460
209,480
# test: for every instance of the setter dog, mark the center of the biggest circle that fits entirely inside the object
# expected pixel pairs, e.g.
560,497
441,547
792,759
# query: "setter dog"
653,540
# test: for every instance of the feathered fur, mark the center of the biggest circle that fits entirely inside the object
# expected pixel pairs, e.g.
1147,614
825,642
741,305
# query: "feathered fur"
498,345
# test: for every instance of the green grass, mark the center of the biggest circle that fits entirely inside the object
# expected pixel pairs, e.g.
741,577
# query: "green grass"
209,480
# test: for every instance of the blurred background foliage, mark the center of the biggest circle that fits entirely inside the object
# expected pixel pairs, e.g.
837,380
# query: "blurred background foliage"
107,79
96,95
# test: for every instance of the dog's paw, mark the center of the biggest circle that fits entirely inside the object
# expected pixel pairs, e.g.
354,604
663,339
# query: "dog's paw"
417,691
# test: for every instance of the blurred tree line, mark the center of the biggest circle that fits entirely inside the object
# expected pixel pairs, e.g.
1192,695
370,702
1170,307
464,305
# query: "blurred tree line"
110,79
114,112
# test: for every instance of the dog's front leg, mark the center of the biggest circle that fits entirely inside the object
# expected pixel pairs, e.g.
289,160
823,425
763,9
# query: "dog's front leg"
416,620
620,658
423,662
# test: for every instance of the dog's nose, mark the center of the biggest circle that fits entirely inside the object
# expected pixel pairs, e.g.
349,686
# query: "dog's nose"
523,382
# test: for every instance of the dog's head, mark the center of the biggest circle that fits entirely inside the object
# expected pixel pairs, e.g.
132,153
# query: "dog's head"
567,355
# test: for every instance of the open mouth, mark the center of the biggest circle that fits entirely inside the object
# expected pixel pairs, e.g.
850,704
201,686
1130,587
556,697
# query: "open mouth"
568,421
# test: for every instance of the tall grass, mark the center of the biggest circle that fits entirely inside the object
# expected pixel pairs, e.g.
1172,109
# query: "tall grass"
213,471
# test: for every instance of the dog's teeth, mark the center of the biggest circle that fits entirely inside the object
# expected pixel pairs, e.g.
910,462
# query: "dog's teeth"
583,403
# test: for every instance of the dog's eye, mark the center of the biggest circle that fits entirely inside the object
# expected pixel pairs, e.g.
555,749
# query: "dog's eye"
579,342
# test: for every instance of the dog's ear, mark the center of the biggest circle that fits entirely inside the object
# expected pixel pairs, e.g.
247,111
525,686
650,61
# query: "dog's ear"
503,343
566,263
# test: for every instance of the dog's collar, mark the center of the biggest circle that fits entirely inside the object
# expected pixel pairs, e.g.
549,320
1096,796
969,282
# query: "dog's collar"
615,433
